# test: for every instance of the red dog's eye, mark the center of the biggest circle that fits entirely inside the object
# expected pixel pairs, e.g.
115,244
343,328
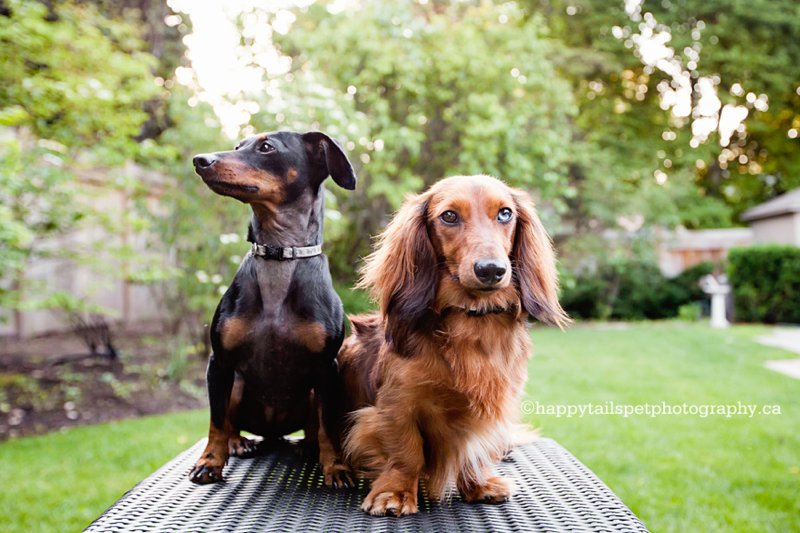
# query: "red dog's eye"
504,215
449,217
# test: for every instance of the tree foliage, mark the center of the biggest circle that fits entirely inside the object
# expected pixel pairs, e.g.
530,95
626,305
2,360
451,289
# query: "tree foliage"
197,235
71,91
747,50
91,85
557,96
452,89
79,80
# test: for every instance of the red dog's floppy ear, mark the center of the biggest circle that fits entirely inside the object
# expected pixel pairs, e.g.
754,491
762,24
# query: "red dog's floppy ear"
534,265
401,274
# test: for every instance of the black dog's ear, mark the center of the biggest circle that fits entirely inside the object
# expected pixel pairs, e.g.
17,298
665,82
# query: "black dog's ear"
330,158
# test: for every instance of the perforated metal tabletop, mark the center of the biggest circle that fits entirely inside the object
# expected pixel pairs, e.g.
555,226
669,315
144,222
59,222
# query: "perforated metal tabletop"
280,491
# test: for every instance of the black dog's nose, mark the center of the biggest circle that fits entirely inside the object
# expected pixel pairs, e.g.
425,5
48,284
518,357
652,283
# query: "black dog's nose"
489,271
204,160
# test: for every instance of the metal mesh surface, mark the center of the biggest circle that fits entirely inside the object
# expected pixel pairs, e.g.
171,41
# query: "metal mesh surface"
282,492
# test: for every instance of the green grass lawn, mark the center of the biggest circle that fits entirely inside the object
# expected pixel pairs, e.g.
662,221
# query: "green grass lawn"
678,473
63,481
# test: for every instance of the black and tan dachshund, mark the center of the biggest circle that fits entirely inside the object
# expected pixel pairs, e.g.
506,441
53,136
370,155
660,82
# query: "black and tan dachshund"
279,326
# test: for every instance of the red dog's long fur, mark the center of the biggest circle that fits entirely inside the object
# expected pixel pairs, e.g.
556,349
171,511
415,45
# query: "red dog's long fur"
434,387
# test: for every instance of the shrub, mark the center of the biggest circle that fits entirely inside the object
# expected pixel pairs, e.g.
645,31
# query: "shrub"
632,290
688,281
766,283
355,301
640,291
580,294
690,312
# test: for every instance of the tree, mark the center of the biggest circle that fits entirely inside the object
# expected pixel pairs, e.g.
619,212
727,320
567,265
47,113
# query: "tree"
741,53
78,80
452,89
92,85
71,85
199,236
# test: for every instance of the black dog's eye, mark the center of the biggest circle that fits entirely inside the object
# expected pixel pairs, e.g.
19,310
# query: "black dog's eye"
449,217
504,215
265,148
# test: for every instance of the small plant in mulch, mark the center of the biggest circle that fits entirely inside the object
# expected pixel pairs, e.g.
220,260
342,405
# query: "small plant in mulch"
91,326
94,374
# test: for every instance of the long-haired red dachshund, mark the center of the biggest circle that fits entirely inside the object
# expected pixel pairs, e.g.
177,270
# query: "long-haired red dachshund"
435,378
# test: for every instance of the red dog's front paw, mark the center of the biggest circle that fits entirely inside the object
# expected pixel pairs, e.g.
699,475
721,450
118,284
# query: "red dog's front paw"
495,490
390,503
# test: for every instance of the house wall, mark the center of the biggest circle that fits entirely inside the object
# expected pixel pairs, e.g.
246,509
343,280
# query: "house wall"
679,250
783,229
673,262
797,229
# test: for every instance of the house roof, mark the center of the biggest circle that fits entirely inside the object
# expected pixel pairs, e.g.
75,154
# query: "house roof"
784,204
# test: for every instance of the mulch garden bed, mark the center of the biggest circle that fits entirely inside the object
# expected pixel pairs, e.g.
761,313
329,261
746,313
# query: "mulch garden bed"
50,382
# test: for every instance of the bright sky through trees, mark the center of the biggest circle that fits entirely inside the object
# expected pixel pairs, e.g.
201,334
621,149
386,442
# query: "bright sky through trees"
222,67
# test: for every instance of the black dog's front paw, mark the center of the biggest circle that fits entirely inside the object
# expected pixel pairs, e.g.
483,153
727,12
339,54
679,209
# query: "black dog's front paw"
338,476
243,447
204,473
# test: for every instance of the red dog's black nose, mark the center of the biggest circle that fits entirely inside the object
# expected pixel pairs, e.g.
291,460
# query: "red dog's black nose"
489,271
204,160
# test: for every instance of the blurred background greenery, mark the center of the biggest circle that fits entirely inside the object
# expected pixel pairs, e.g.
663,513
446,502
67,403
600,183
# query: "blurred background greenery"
632,123
624,120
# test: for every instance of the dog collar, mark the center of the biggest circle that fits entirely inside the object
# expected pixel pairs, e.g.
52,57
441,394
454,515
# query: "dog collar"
494,310
281,253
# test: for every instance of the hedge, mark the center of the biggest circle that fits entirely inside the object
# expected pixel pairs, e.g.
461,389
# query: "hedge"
631,290
766,283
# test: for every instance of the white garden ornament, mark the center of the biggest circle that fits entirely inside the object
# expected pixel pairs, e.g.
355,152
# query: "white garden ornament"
718,288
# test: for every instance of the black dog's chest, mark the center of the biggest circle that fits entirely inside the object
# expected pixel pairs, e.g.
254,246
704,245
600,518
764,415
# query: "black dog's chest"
276,359
277,325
